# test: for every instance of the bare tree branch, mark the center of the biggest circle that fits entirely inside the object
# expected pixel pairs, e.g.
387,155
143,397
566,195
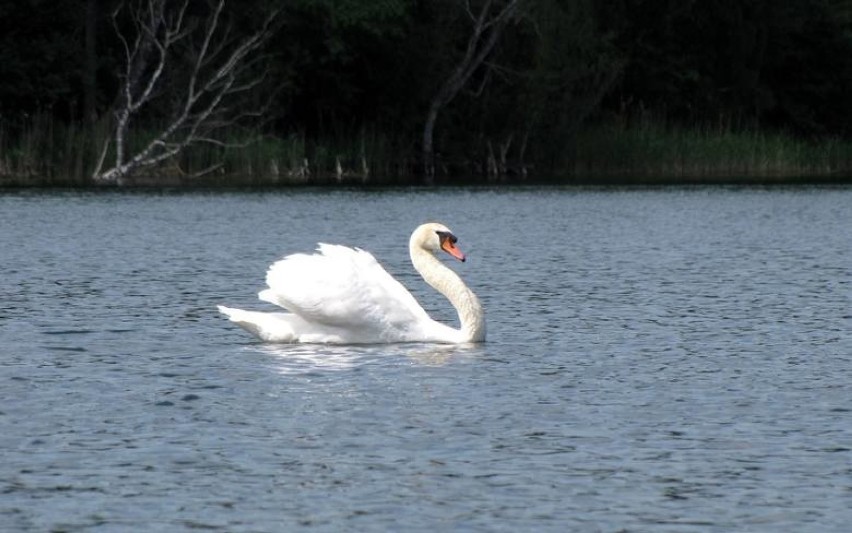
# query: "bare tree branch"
487,28
220,69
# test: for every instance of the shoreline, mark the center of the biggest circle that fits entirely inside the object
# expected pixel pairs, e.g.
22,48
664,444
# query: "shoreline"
593,181
649,153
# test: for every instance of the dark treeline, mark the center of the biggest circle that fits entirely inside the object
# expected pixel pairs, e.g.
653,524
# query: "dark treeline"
382,88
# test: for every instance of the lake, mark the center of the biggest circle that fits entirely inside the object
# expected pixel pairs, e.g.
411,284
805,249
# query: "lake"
658,359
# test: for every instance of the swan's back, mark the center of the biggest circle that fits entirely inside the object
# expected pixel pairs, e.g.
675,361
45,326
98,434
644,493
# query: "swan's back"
345,293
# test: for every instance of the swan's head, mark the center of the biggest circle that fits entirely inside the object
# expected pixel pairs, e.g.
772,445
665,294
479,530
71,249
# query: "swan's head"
434,237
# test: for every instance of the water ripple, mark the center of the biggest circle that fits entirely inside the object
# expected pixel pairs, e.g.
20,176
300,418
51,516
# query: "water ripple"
658,359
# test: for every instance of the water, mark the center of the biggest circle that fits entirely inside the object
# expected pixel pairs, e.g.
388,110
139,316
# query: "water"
658,360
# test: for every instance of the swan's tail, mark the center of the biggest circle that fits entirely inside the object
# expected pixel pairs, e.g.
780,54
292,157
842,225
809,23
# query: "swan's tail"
269,327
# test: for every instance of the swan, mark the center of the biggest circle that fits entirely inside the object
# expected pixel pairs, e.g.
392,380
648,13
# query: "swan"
342,295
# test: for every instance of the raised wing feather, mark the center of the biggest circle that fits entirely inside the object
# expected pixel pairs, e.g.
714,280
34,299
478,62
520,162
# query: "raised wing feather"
342,287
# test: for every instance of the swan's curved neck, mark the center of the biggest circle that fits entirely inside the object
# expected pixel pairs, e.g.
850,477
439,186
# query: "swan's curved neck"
448,283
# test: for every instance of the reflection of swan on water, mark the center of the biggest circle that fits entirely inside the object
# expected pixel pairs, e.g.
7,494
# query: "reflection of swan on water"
342,295
303,358
309,358
440,354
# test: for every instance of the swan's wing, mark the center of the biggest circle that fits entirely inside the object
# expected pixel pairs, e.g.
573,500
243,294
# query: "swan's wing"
342,287
289,327
270,327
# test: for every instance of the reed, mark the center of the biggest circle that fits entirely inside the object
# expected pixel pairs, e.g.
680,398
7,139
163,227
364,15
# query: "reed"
655,151
45,152
42,151
364,158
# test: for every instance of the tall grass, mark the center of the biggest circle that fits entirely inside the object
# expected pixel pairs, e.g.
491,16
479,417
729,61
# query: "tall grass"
654,151
47,152
366,157
42,151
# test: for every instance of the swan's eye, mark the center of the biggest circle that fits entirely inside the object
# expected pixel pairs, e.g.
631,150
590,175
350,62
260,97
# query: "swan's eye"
445,235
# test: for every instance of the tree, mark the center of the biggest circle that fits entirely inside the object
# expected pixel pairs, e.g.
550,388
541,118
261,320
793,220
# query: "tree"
574,65
531,94
90,62
735,64
168,43
40,51
487,26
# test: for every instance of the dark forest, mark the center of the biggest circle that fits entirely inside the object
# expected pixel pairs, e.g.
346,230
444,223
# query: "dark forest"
403,91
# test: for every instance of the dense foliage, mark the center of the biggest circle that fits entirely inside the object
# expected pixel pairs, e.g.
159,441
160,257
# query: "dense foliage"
340,68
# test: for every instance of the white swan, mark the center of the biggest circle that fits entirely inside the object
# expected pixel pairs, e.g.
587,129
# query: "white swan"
342,295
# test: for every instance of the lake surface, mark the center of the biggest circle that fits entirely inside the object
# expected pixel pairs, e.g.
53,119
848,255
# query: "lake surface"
675,359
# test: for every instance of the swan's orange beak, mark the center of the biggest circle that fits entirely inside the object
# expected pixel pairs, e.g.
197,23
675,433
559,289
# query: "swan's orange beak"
448,245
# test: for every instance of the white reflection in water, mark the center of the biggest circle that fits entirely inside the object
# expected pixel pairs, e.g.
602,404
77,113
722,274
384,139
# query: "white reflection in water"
304,358
441,354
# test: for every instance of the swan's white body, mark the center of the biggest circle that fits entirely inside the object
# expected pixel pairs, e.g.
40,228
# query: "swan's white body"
342,295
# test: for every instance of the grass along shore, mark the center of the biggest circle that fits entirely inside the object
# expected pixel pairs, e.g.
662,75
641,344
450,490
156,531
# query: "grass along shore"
696,154
48,153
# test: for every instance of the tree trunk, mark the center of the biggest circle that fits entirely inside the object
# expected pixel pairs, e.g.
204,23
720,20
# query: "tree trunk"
428,145
487,28
91,63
